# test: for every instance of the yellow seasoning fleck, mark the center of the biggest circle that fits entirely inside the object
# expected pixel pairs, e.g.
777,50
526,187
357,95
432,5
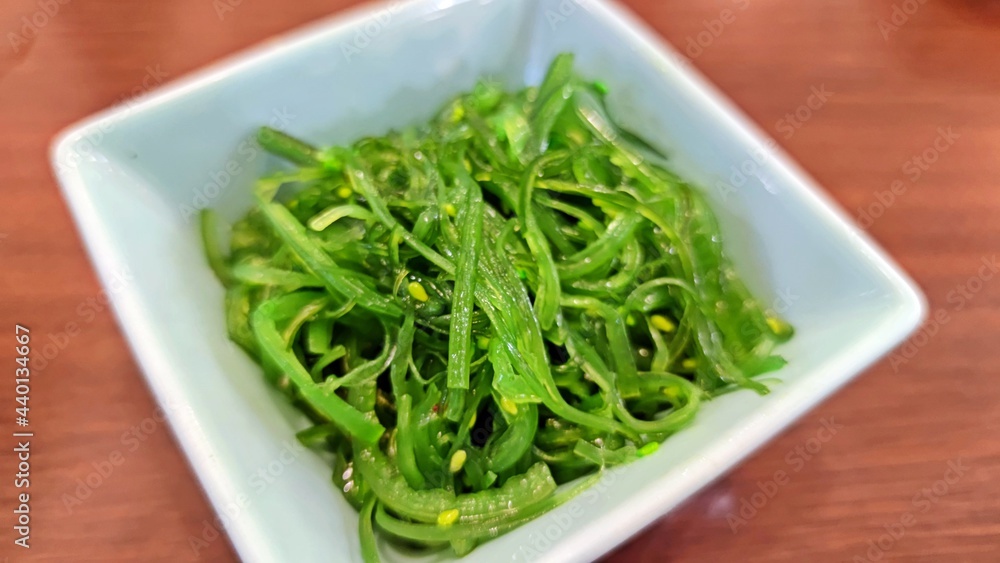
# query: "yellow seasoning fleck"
671,393
448,517
630,319
344,192
689,363
483,177
508,405
779,327
457,114
662,324
450,210
648,449
457,461
418,292
472,421
483,342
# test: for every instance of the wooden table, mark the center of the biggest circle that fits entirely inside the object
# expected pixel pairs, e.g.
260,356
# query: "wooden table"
906,425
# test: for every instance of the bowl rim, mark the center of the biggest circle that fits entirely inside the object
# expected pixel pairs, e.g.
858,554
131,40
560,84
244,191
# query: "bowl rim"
587,541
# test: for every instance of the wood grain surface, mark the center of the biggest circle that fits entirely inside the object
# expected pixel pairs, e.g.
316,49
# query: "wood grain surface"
913,472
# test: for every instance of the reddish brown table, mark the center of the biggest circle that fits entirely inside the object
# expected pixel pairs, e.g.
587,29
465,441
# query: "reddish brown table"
894,86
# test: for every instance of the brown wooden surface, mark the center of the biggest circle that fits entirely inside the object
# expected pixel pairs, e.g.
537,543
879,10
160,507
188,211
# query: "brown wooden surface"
901,427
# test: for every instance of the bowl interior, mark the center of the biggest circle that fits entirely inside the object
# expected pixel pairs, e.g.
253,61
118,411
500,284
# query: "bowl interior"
136,178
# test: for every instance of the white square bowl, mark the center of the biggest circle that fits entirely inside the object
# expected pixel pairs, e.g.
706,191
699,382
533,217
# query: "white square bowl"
134,176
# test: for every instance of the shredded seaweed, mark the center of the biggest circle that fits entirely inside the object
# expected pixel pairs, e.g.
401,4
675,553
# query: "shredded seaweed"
475,311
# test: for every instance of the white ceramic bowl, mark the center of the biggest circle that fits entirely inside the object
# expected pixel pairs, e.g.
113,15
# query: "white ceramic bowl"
135,175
